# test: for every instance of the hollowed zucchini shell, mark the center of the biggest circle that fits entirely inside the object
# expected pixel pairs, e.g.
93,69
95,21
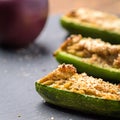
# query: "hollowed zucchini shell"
79,102
107,73
89,31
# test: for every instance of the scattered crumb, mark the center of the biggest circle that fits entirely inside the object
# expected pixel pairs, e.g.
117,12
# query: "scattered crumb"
44,101
52,118
19,116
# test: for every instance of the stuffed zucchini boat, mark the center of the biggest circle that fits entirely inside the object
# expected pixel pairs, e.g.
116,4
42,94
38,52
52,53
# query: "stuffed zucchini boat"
93,56
93,23
66,88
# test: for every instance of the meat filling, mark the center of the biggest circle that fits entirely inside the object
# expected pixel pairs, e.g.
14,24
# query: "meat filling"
94,51
65,77
96,19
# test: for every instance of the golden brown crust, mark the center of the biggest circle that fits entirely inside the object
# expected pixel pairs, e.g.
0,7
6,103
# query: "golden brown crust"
93,50
66,78
95,18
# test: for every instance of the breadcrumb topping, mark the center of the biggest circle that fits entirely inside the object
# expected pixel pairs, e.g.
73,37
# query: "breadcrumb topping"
65,77
94,51
96,18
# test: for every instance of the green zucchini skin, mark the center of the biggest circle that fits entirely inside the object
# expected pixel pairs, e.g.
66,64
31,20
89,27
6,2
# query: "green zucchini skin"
108,74
79,102
89,31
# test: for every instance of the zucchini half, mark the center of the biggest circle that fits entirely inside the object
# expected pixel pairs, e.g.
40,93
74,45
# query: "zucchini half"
74,100
108,73
76,23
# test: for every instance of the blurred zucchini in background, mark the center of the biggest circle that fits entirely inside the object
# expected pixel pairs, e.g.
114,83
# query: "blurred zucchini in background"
93,56
93,23
66,88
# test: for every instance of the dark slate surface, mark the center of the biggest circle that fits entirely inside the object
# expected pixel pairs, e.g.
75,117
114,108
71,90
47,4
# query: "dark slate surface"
19,69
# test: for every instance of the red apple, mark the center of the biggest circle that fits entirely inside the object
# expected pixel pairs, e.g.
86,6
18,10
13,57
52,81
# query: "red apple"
21,21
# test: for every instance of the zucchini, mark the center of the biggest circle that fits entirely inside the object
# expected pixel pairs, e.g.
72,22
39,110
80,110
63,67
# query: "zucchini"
95,24
65,88
93,56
